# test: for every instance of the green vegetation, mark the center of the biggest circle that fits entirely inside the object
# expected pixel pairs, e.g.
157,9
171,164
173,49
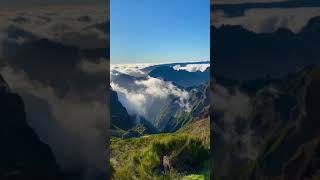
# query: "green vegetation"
145,157
200,129
194,177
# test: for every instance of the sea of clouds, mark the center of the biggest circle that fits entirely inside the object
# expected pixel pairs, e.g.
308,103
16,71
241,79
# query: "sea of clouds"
129,69
192,67
147,94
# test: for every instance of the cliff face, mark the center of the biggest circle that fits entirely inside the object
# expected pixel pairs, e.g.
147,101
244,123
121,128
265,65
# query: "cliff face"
120,118
22,154
172,117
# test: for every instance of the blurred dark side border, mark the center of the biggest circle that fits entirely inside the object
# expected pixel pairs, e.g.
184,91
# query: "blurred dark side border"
265,88
54,66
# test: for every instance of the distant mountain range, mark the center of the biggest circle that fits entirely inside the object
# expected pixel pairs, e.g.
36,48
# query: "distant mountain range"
150,68
166,72
182,77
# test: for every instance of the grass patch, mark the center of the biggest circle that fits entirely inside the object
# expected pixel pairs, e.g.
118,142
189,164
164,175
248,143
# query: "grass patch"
194,177
141,158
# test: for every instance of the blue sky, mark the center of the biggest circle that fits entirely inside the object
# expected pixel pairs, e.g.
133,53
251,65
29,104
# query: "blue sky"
153,31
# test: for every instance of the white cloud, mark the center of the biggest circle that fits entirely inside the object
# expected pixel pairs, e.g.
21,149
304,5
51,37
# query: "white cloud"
134,102
192,67
269,19
129,69
148,95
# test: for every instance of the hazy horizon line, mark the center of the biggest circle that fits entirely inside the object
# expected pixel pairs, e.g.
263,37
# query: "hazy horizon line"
168,62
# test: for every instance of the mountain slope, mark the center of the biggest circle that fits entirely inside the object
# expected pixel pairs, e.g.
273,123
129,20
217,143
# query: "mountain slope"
144,157
171,117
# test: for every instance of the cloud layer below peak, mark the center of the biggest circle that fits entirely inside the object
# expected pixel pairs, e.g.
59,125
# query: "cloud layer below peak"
192,67
151,93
